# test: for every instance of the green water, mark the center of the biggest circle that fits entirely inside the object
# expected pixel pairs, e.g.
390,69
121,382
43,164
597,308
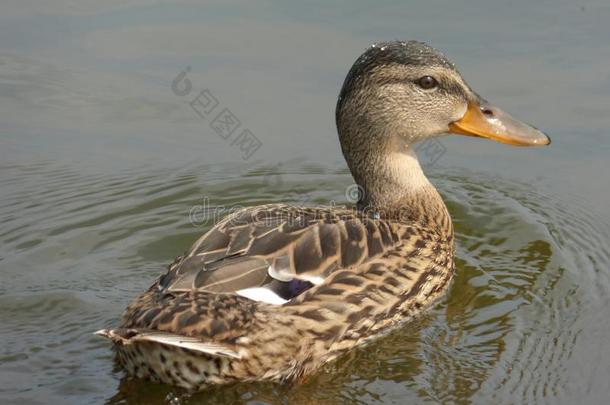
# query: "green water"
102,165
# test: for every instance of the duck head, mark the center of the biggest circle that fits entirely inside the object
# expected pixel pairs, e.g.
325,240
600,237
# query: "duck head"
405,92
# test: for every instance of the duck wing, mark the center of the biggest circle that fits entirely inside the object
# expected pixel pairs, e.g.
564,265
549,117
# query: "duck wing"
272,253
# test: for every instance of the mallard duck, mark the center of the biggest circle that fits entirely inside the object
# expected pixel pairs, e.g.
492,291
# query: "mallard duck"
273,292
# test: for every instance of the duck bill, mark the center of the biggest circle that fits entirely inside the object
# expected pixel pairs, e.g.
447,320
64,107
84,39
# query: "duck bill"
486,121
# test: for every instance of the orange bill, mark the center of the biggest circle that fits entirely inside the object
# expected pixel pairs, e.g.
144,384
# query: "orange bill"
487,121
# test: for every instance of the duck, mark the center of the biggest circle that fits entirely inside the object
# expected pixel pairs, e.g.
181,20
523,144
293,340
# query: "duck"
273,292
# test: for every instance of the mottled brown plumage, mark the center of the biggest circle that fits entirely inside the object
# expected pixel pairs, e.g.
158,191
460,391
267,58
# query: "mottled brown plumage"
376,273
273,292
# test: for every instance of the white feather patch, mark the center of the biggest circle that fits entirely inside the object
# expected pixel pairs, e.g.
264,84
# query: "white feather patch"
186,342
279,274
285,275
280,269
315,280
103,333
262,294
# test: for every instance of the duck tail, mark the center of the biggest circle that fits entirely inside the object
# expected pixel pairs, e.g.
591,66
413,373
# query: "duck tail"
118,336
123,337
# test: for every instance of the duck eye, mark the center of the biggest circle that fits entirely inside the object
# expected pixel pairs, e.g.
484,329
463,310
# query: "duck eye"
427,82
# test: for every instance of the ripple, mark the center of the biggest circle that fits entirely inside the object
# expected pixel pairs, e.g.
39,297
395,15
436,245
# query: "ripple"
518,324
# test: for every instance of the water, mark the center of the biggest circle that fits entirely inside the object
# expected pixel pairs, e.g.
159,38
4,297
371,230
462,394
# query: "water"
101,164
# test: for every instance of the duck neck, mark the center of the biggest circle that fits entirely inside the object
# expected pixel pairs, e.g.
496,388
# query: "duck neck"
394,185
